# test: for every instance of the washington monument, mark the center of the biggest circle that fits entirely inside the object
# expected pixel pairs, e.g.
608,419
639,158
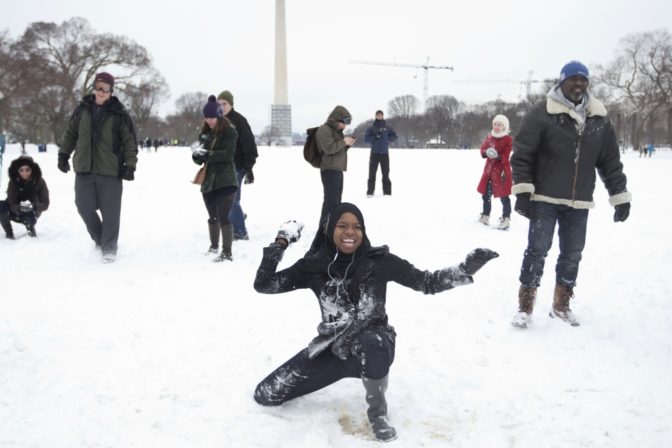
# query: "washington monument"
281,111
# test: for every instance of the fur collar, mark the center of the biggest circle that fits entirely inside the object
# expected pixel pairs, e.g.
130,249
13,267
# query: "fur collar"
594,108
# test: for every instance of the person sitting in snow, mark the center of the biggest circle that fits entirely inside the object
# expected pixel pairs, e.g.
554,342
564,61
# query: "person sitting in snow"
27,196
496,178
349,278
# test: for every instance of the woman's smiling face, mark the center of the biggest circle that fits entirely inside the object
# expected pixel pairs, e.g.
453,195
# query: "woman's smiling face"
348,233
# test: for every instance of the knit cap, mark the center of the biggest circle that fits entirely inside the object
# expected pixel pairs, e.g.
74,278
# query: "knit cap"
226,95
573,68
503,120
212,109
104,77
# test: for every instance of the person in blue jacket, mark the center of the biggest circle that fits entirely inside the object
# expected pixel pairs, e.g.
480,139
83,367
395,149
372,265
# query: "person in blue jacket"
379,135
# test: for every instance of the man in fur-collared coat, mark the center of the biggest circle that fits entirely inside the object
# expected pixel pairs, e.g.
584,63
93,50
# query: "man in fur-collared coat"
560,146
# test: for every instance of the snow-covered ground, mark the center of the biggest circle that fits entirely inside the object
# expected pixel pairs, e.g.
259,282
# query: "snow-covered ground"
164,348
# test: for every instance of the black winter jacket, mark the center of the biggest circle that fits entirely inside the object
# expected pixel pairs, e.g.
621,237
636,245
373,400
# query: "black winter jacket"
555,160
35,191
358,302
246,149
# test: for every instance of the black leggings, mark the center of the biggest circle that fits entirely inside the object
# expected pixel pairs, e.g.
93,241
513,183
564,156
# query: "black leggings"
302,375
218,203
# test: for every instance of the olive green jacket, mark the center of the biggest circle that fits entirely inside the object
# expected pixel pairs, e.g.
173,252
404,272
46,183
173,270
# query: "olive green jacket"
221,169
330,142
96,148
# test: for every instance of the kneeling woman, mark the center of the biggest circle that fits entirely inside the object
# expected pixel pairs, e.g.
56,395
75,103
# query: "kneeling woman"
349,278
27,196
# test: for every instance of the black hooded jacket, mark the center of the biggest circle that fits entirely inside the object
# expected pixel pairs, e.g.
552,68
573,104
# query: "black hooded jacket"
18,190
351,289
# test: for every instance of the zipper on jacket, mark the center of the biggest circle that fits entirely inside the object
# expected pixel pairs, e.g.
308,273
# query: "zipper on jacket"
579,131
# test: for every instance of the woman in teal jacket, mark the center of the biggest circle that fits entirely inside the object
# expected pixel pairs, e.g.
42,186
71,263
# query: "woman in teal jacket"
218,146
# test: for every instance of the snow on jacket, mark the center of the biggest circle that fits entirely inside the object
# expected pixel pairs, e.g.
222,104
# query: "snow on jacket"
358,302
96,149
330,142
246,148
35,190
555,159
379,135
497,171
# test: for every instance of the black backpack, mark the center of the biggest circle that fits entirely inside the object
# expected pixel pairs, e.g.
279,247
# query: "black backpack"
311,152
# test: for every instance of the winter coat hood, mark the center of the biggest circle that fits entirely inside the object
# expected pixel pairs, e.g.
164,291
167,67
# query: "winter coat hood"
337,115
13,169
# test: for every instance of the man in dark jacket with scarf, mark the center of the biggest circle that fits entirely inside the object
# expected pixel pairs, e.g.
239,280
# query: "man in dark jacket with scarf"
101,135
560,145
379,136
245,158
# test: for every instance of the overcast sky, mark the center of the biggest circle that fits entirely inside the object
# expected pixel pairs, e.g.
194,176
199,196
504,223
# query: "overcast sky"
211,46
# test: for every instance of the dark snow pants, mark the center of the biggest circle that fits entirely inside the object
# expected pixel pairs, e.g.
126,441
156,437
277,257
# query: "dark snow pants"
384,161
95,192
302,375
332,183
218,203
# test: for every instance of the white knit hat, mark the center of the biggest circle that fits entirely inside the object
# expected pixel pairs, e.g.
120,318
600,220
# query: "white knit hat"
503,120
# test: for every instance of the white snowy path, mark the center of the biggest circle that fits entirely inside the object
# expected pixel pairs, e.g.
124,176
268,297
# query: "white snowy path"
164,348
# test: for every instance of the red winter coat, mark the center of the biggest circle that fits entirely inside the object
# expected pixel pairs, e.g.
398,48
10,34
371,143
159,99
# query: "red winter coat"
497,171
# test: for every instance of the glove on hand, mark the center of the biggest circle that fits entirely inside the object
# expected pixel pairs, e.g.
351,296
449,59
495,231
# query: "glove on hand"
290,231
249,177
621,212
127,172
476,260
522,206
25,207
491,153
63,163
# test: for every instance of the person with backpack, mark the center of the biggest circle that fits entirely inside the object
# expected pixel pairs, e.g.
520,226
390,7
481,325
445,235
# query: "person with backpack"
27,196
100,133
379,135
349,277
245,158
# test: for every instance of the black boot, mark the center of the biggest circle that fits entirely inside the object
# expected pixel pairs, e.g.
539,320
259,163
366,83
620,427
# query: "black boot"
213,229
31,230
227,241
375,398
6,225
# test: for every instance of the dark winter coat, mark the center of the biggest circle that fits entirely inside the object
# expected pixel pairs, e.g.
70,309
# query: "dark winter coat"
555,159
497,171
379,136
246,149
351,289
220,171
330,142
35,190
97,148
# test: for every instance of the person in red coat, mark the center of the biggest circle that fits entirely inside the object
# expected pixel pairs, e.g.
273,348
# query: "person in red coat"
496,178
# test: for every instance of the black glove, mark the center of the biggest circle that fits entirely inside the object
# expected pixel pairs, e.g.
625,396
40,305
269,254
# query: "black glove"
476,260
249,177
63,163
200,158
522,206
621,212
128,172
290,231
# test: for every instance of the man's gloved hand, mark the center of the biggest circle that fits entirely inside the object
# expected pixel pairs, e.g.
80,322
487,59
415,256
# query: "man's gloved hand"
290,231
249,177
128,172
621,212
63,163
476,260
522,206
491,153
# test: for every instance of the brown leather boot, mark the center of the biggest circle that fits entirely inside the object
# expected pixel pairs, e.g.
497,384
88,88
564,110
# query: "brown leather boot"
527,295
561,298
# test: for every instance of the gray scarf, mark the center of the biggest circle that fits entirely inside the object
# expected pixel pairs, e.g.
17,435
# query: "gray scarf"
579,109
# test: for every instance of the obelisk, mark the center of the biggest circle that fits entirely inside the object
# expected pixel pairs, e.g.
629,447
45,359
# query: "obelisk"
281,111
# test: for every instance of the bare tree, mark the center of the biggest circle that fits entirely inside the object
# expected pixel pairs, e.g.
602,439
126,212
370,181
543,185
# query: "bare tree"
403,106
142,98
441,112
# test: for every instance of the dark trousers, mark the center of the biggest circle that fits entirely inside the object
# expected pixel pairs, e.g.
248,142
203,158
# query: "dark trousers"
302,375
332,183
487,202
95,192
236,215
572,225
384,161
25,218
218,203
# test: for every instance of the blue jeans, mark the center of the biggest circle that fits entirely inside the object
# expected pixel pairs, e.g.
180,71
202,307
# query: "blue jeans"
236,216
487,202
572,225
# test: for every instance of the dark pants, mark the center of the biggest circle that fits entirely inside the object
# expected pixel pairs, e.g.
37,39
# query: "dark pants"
384,161
25,218
301,375
572,225
487,202
332,183
236,215
95,192
218,203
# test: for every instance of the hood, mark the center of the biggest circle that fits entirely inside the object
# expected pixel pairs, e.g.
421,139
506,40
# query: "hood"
338,113
13,169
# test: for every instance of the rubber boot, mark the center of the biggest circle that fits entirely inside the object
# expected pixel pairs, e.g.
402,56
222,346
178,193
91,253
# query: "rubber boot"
6,225
213,229
561,297
377,412
227,241
527,295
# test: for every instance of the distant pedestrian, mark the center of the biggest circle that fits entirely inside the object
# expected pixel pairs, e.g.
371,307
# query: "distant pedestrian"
650,149
245,158
379,135
496,177
27,196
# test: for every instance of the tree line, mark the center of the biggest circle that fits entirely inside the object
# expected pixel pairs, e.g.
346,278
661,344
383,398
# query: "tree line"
47,70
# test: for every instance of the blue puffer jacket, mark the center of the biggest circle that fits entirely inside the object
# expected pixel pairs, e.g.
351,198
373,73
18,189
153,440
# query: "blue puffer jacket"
380,135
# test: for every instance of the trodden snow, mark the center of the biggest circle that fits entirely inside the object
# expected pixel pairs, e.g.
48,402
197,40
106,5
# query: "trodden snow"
164,348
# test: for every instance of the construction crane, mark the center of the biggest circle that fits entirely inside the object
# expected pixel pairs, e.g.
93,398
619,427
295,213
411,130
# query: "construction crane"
425,67
526,82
